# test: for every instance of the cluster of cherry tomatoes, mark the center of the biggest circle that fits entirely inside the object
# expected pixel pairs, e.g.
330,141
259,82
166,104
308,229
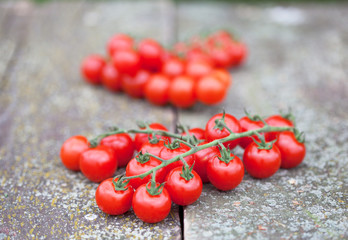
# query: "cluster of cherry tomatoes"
204,156
180,76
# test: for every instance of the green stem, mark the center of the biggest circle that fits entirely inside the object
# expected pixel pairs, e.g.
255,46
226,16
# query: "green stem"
216,142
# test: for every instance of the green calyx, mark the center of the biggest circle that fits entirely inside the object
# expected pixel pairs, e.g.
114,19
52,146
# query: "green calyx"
186,172
174,145
262,144
300,136
289,116
154,190
255,118
225,154
120,184
142,158
220,122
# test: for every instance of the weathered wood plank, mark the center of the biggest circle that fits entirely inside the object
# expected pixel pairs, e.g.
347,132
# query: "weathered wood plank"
298,59
39,198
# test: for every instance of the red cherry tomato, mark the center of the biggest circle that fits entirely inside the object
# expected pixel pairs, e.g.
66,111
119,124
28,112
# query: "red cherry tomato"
292,151
126,61
98,164
225,176
71,150
123,146
136,168
247,125
181,91
153,148
183,192
199,133
210,90
220,57
215,133
141,138
111,201
119,42
261,163
150,52
223,75
198,69
173,67
92,67
134,85
238,52
157,89
201,161
151,208
276,121
111,78
167,153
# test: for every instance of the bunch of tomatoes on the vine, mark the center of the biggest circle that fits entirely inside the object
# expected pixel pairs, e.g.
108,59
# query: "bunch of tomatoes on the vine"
171,167
182,75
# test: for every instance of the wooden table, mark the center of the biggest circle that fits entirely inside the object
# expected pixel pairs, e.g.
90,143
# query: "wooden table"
298,59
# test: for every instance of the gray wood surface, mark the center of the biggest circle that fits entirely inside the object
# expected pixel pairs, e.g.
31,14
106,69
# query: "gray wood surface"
298,59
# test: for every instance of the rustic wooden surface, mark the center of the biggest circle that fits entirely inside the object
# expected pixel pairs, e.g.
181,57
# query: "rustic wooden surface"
298,58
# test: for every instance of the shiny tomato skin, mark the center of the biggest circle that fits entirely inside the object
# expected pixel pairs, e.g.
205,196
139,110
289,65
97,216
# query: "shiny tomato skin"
113,202
150,53
238,52
225,176
111,78
136,168
173,67
248,125
223,75
134,85
202,158
181,91
71,150
276,121
126,61
91,68
153,148
215,133
181,191
123,146
151,208
119,42
198,69
157,89
210,90
220,57
167,153
261,163
292,151
98,164
141,138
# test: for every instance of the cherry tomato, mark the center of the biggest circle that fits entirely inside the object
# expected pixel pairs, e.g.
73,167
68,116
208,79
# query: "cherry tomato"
111,78
292,151
123,146
198,69
220,57
225,176
173,67
150,52
261,163
276,121
153,148
201,161
92,67
151,208
136,168
134,85
126,61
223,75
210,90
238,52
199,133
215,133
119,42
157,89
181,91
247,125
197,56
111,201
183,192
71,151
98,164
167,153
141,138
